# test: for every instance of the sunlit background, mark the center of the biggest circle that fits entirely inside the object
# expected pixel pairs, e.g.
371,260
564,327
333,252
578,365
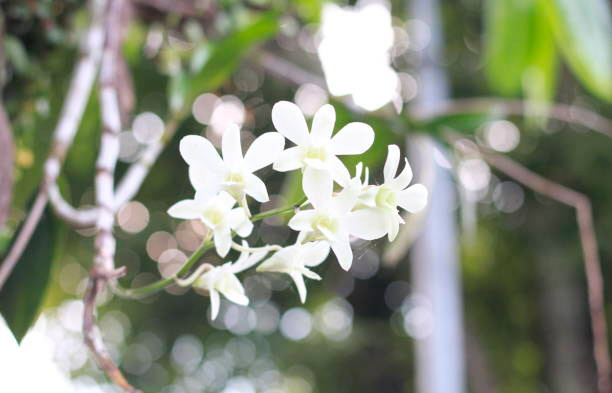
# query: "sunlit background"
524,299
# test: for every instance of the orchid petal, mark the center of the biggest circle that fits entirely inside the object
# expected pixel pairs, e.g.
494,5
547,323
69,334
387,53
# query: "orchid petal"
215,302
315,253
204,181
318,187
353,138
230,146
367,224
239,222
413,198
392,162
224,201
233,290
403,179
223,241
323,123
256,188
289,121
300,285
186,209
343,252
197,150
302,220
310,274
393,226
289,160
345,200
264,150
339,171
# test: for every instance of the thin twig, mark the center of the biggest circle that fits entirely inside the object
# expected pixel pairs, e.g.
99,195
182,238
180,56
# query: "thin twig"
7,154
588,240
103,269
192,8
132,180
287,70
7,147
78,218
70,116
571,114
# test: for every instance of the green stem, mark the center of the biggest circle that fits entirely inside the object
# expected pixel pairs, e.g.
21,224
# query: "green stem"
280,210
161,284
149,289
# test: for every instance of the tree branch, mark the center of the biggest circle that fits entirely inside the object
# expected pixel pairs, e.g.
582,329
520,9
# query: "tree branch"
134,177
571,114
70,116
588,240
103,269
7,147
78,218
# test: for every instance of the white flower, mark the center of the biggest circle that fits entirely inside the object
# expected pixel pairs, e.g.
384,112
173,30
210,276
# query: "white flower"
295,261
332,220
217,214
317,151
234,173
222,279
383,200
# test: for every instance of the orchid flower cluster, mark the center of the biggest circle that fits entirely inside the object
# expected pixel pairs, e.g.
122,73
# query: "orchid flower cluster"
325,221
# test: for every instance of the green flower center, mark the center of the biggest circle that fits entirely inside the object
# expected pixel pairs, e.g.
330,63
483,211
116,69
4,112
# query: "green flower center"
326,222
386,197
235,177
316,153
215,216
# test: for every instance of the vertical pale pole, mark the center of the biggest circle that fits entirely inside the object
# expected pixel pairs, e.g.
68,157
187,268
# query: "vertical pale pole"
440,365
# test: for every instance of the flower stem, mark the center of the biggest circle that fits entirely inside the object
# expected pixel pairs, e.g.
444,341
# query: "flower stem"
280,210
156,286
161,284
241,248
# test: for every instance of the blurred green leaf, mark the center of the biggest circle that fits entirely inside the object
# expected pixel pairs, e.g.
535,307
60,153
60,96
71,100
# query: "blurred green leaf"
584,33
507,32
226,54
520,50
466,123
177,88
24,291
16,54
540,76
309,10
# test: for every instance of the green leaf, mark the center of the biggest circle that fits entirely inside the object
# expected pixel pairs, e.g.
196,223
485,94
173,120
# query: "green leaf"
177,87
540,76
227,53
507,38
583,29
16,54
24,291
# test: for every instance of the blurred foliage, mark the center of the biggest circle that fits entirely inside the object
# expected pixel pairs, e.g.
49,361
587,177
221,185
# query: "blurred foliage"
525,47
23,295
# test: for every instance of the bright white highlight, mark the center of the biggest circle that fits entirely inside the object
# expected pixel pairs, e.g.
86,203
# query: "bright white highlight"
355,54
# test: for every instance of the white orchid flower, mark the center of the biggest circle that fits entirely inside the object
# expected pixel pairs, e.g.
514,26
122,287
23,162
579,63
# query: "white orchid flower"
317,150
332,220
295,261
209,173
217,214
222,280
392,193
